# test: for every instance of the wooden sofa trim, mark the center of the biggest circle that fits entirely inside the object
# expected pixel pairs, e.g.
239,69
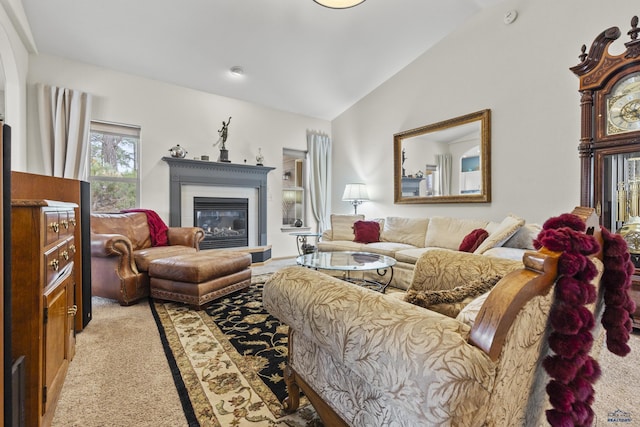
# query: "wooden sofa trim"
517,288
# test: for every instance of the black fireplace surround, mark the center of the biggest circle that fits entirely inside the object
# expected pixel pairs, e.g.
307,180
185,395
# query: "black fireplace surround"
224,221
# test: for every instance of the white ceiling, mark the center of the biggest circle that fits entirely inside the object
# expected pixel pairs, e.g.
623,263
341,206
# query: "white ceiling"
297,55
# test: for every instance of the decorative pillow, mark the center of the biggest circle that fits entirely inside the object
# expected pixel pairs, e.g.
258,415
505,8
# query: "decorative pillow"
342,226
472,240
507,228
366,231
451,301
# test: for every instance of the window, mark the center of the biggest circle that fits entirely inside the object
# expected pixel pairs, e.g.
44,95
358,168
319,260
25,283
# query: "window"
293,187
114,163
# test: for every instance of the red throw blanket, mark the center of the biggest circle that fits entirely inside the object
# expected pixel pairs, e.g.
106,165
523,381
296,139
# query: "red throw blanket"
157,228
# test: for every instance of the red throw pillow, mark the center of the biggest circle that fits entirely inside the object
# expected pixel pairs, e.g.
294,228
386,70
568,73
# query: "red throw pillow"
366,231
472,240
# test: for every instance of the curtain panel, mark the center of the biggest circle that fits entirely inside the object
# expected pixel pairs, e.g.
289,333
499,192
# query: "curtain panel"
65,117
319,149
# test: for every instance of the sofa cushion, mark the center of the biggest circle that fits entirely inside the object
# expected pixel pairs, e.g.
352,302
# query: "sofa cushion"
505,253
507,228
472,240
366,231
405,230
143,257
411,255
342,226
386,248
132,225
340,245
448,233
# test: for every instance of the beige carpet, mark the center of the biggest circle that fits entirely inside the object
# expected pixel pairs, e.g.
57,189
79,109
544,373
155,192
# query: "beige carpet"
120,376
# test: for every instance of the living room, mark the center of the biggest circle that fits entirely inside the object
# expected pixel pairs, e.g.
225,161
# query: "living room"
519,71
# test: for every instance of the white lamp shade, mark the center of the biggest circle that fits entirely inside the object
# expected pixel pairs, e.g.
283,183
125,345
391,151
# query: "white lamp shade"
355,192
339,4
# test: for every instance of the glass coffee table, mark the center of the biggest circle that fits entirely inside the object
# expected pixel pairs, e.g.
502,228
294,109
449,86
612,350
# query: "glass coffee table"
350,262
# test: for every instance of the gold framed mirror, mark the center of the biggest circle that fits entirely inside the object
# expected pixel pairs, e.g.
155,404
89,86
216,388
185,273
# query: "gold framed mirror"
445,162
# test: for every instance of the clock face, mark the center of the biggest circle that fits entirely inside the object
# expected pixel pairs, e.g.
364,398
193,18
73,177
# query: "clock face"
623,106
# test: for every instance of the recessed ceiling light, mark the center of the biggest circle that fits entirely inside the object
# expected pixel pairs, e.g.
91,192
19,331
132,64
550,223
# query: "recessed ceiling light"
339,4
237,71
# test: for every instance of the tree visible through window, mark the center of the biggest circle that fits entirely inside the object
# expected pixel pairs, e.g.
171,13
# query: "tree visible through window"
114,160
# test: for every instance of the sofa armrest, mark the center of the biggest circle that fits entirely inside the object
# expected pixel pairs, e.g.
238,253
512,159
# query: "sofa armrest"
185,236
327,235
400,349
439,269
114,245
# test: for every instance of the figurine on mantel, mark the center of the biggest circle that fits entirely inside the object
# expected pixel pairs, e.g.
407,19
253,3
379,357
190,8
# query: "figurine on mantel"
224,132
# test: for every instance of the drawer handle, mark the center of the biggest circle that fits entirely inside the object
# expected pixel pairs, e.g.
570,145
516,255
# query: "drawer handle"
72,248
71,311
72,221
65,223
55,264
54,226
65,255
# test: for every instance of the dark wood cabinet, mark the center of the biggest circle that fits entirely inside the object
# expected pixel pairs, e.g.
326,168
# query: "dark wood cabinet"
43,303
609,147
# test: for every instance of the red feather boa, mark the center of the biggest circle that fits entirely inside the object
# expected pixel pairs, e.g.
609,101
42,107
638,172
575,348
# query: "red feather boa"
572,370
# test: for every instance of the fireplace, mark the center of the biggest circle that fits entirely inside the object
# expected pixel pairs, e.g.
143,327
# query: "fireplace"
197,178
224,221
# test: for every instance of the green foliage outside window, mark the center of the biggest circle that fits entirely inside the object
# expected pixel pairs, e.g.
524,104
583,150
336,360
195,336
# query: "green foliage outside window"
114,172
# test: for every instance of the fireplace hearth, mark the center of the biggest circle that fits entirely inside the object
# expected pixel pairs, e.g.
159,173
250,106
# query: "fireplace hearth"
224,221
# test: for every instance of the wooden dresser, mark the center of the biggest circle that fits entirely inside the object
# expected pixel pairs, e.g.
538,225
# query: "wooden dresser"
43,300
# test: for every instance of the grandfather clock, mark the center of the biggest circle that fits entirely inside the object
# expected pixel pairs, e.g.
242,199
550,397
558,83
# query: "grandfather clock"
609,146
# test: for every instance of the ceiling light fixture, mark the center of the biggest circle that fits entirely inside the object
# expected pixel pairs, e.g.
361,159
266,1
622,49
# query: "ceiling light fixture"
237,71
339,4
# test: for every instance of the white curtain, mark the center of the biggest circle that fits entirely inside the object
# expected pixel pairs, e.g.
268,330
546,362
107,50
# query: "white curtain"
443,161
319,149
65,117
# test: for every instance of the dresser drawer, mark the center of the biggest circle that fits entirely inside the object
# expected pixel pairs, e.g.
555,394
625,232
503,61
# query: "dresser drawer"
57,260
67,221
52,227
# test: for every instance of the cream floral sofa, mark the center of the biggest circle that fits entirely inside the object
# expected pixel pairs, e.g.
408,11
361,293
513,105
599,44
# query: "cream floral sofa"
369,359
406,239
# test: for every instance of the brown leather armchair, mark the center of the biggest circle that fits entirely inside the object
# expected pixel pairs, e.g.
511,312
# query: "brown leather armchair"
121,251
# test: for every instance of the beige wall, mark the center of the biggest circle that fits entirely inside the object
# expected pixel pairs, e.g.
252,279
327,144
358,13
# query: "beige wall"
519,71
170,115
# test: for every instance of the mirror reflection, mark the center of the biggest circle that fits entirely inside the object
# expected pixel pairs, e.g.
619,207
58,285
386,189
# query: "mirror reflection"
446,162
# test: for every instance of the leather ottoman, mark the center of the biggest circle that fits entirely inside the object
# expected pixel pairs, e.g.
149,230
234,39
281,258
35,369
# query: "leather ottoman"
199,278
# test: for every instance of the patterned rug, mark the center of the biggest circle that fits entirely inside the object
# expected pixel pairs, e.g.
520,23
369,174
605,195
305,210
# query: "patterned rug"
227,361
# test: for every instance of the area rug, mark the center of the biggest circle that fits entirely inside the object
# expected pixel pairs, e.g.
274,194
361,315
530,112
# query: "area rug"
227,361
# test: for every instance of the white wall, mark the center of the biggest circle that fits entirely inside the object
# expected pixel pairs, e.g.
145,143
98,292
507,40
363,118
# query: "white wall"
14,60
519,71
170,115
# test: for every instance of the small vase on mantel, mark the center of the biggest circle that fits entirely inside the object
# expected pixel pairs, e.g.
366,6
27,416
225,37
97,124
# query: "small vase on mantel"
259,158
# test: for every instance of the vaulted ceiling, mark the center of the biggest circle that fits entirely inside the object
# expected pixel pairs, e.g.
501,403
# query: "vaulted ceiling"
297,56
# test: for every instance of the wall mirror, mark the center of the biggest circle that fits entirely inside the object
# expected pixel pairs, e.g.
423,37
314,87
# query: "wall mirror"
445,162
